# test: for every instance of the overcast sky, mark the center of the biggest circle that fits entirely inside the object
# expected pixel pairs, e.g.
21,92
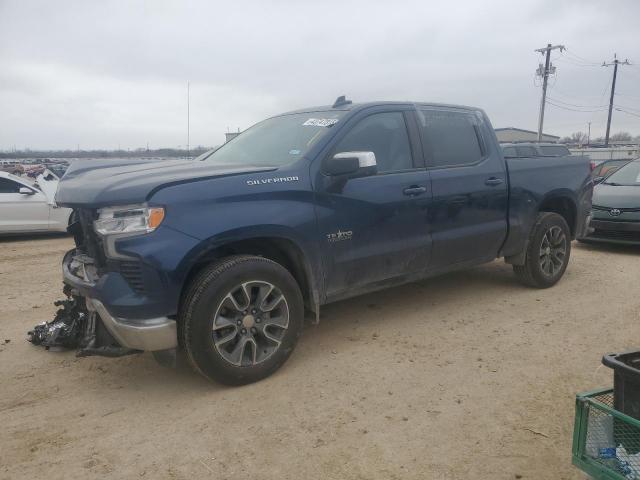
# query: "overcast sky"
100,74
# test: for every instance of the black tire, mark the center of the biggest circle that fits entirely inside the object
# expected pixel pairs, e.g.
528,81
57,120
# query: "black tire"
532,273
210,291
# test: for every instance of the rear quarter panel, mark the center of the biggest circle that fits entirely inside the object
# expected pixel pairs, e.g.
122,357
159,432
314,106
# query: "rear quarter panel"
533,181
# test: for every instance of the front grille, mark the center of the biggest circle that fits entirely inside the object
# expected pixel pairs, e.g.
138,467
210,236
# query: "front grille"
132,273
622,210
629,236
89,244
86,239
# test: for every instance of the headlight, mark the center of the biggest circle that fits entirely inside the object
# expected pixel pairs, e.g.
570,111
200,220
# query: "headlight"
128,219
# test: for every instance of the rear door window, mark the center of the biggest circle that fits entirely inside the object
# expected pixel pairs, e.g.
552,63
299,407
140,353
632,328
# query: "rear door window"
509,152
526,151
554,150
451,138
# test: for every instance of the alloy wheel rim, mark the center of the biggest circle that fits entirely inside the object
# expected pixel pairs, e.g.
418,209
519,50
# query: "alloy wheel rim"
553,251
250,323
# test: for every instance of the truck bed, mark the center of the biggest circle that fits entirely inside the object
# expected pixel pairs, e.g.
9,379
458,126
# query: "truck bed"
534,179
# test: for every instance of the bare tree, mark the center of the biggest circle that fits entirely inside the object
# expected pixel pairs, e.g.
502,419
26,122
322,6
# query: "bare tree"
577,137
621,137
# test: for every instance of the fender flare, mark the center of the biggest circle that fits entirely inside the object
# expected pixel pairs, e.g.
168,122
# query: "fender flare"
208,249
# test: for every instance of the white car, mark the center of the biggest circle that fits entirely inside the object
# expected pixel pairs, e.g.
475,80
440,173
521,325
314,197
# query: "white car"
27,207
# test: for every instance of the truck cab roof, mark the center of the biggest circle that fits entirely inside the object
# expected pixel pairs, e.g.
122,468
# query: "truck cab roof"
353,107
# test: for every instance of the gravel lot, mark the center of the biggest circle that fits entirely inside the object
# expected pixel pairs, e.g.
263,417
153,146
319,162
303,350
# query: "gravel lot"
469,375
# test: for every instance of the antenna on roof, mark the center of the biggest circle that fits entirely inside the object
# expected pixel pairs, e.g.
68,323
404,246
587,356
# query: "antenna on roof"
340,101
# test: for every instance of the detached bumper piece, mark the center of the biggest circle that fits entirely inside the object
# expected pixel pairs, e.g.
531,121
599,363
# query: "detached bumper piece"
75,327
64,331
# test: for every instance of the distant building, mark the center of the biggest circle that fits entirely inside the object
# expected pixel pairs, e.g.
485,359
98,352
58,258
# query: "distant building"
230,136
512,134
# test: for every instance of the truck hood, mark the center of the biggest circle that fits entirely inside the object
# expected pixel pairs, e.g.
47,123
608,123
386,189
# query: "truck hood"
612,196
91,185
48,184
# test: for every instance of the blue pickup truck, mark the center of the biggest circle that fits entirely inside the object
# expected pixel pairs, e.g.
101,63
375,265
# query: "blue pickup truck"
224,255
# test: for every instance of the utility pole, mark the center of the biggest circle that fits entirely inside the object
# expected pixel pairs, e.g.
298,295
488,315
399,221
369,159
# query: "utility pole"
615,64
544,73
188,117
589,135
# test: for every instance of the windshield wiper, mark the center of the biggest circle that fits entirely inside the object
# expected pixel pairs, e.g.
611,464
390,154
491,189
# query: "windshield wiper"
613,184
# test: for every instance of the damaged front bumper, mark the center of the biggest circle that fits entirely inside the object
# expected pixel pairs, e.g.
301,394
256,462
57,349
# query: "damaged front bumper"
148,334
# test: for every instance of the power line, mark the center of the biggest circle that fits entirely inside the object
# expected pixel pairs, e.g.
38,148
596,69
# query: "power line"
578,60
571,53
628,113
633,73
575,109
570,61
628,108
580,97
577,101
574,105
634,97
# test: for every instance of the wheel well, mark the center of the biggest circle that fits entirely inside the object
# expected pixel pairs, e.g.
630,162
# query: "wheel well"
72,218
564,207
280,250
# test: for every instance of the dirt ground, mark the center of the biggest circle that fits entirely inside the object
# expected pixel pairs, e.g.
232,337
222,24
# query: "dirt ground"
469,375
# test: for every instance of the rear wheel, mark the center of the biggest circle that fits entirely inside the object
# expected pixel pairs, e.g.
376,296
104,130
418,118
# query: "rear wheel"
241,319
547,253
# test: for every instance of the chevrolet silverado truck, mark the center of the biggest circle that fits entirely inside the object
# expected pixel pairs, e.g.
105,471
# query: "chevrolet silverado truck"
224,255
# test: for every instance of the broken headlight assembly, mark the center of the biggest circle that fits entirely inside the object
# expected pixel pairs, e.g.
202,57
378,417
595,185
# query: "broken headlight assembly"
128,219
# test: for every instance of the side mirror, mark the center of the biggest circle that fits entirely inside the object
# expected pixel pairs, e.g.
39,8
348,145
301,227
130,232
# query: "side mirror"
359,164
597,180
26,191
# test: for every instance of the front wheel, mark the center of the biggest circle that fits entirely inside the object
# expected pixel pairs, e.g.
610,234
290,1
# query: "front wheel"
241,318
547,253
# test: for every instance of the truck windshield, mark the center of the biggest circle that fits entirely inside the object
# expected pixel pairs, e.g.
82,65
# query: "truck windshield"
629,175
276,141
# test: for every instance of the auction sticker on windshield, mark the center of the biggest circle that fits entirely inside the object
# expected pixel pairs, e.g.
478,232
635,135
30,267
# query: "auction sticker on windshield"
320,122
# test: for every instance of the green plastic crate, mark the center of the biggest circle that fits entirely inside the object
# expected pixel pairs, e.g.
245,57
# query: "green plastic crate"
606,442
